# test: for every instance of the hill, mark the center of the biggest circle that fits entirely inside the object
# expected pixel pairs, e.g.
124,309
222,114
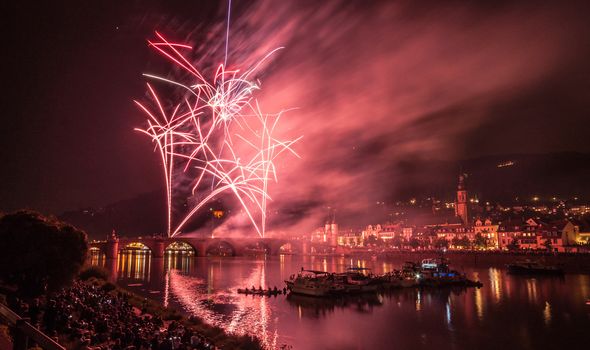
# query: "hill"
499,178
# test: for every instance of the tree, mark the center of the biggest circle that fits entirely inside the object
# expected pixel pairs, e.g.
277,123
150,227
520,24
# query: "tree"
548,244
441,243
465,242
397,241
462,242
414,243
38,253
514,246
373,240
480,241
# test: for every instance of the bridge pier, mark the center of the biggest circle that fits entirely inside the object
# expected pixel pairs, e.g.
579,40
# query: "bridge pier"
158,248
202,249
157,273
111,248
111,266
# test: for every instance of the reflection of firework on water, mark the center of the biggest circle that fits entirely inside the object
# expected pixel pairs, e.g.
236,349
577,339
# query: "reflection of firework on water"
217,136
247,315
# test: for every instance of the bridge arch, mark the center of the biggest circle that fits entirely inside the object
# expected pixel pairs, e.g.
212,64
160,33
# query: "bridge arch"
134,259
136,246
257,248
220,248
96,249
180,247
287,248
96,255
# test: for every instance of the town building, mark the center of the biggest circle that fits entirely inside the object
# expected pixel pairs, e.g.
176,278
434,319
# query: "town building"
456,225
488,231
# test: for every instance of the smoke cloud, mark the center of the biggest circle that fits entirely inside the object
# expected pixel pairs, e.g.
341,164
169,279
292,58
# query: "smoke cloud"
375,84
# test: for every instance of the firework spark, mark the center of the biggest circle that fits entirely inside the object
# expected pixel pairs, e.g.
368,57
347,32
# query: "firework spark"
218,135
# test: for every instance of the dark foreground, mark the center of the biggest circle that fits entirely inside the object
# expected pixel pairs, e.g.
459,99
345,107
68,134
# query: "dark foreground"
95,314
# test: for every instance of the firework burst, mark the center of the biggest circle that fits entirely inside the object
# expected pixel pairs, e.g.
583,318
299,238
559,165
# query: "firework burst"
217,135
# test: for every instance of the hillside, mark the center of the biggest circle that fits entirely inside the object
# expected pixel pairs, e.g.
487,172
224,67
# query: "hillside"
499,178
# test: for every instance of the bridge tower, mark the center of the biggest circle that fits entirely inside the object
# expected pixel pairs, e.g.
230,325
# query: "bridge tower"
159,247
112,246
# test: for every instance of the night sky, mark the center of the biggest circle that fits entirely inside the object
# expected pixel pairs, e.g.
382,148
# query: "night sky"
373,83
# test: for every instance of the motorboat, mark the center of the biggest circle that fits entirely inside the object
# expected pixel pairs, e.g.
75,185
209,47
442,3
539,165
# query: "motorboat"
359,280
436,273
313,283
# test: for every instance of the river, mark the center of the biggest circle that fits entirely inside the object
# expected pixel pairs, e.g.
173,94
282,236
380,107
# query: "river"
507,312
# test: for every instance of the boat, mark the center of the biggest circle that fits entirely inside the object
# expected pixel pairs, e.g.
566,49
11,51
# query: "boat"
358,280
391,279
314,283
263,292
530,267
410,273
436,273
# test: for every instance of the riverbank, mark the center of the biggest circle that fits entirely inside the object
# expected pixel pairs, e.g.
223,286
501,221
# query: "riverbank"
95,313
146,307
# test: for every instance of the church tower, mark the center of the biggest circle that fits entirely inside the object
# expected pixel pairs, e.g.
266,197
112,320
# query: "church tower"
334,230
331,229
461,202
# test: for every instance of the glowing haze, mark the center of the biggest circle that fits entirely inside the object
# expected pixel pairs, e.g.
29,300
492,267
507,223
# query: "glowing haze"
374,83
377,83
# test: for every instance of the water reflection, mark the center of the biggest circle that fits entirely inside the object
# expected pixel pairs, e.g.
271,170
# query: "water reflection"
179,260
513,308
314,307
448,312
222,306
134,264
496,283
479,303
96,257
547,313
531,288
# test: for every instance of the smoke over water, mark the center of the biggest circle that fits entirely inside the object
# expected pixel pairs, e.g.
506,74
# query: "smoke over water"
375,84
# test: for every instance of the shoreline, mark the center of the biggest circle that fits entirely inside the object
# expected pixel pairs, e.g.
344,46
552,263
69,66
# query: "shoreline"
216,335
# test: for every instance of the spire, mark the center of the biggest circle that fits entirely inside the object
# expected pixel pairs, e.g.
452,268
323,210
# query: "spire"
461,185
461,201
113,235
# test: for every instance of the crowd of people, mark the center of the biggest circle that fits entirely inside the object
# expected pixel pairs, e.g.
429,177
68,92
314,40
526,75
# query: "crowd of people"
88,317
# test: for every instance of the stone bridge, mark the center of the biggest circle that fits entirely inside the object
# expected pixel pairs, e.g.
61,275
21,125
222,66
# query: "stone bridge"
201,245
